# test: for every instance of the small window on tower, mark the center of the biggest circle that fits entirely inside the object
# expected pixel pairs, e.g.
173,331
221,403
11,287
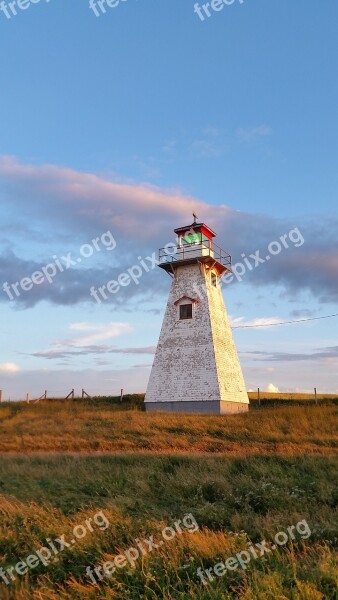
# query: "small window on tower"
214,279
186,311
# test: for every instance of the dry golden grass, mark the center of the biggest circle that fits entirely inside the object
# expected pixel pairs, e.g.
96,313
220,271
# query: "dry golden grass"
243,477
297,396
233,500
66,426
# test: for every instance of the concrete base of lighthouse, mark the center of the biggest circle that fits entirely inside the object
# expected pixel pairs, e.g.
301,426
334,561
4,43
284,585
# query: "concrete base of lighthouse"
206,407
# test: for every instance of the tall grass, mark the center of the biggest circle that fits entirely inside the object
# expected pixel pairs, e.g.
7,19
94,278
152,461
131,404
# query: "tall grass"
66,426
243,477
233,501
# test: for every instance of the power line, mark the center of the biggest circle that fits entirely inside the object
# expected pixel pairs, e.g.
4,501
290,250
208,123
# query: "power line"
285,322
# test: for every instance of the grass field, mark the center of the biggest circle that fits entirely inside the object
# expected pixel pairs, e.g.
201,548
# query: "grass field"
288,398
66,426
243,478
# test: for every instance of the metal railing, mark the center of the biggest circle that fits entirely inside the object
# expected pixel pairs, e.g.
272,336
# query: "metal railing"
200,250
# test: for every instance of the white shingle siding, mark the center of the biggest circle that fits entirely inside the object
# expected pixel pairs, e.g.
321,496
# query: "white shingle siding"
196,359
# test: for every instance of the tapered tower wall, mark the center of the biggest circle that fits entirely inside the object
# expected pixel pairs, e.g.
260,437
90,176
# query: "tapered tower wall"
230,376
196,368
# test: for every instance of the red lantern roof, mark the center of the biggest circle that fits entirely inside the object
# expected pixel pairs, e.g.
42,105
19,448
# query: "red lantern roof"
197,228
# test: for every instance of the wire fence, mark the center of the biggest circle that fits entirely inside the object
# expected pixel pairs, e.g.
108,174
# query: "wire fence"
257,399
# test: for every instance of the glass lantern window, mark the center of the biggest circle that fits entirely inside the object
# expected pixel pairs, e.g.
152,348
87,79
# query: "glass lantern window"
191,238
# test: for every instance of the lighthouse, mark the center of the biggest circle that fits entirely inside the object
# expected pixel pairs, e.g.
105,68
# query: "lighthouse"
196,367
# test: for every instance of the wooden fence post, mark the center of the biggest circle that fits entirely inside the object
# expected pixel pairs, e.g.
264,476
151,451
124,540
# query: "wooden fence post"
121,397
316,400
0,395
259,397
27,398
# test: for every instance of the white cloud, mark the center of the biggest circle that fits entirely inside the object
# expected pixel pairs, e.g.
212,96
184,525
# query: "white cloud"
90,200
97,332
169,147
205,149
261,322
9,368
251,134
90,343
210,144
81,205
272,388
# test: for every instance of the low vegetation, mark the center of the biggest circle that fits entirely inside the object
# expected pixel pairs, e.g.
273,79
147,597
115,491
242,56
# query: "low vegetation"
243,478
101,426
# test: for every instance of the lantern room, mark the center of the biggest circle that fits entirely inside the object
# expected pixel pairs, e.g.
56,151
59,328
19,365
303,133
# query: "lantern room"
195,243
197,233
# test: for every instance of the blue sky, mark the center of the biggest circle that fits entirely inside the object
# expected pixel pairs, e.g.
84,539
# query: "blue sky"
127,123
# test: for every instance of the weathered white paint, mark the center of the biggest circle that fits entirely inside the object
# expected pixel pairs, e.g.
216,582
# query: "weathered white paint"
196,359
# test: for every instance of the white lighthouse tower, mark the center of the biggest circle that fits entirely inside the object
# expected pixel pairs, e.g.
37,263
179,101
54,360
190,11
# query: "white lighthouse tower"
196,367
